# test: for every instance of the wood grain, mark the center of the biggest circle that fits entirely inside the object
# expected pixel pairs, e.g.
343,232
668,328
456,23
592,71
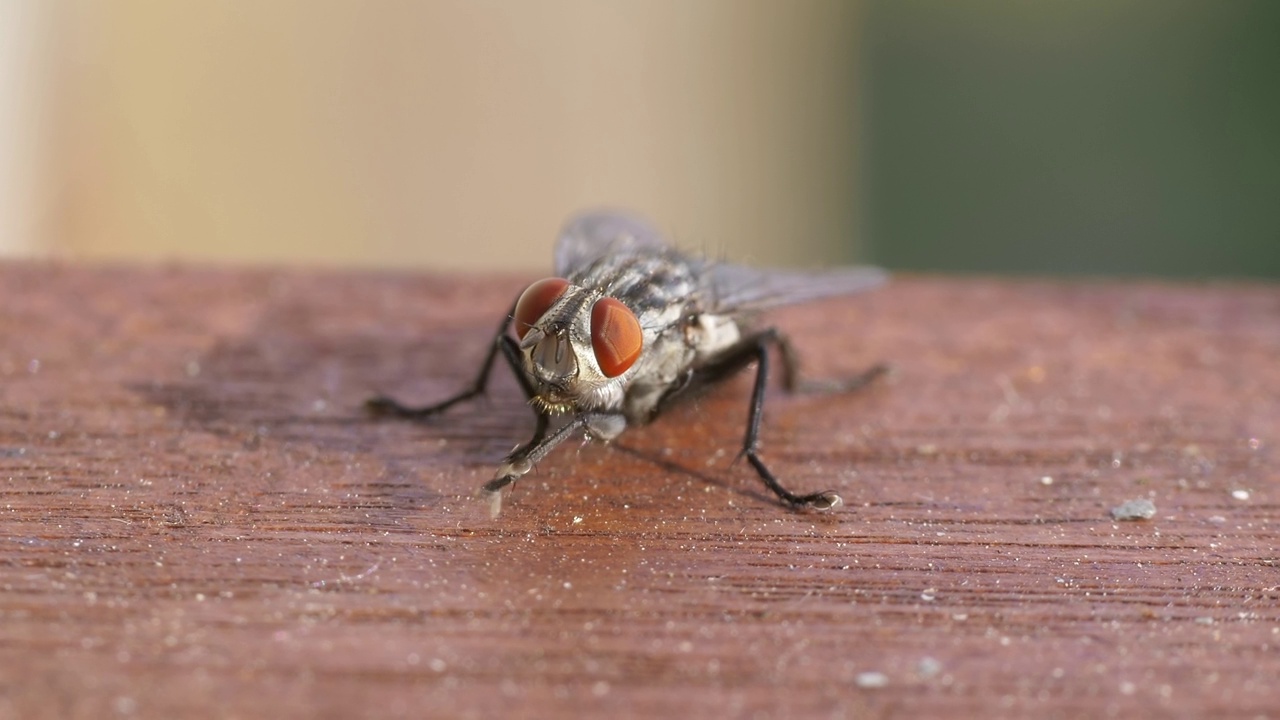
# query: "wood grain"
199,521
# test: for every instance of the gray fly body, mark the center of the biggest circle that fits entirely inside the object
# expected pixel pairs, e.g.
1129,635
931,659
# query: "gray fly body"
628,325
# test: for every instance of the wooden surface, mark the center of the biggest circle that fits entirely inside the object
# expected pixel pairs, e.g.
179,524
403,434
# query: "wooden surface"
198,520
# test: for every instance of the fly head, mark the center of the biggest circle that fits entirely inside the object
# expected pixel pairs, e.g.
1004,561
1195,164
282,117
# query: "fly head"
577,344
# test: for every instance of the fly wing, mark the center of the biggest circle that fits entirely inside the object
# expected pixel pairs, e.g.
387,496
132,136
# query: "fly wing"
592,235
595,234
740,288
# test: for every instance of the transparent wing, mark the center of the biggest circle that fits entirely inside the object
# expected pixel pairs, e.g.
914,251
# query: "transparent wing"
737,287
592,235
728,288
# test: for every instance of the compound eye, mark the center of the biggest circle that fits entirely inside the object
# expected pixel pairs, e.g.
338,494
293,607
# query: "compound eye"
615,336
535,301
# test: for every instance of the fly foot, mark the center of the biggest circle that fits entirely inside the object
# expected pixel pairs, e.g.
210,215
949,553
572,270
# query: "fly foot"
508,472
381,406
822,501
826,500
384,406
491,493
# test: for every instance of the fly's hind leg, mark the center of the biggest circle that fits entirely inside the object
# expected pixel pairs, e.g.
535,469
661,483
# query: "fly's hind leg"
756,348
792,381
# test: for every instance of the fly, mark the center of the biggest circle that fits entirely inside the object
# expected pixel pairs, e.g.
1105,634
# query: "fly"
627,326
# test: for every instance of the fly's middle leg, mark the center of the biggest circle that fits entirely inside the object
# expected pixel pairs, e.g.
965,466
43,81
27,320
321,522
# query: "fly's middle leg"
384,405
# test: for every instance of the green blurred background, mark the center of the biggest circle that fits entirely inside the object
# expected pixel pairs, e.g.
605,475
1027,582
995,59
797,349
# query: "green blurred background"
1095,136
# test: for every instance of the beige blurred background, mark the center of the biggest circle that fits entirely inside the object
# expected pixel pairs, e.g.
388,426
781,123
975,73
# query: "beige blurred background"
445,133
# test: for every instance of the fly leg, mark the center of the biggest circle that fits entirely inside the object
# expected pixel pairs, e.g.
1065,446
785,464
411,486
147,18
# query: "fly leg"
756,348
792,381
741,355
384,405
522,459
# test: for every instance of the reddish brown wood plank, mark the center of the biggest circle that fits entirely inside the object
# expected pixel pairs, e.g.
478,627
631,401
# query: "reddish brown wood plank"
198,520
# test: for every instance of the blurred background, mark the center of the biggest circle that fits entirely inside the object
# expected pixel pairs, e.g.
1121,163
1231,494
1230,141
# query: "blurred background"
1133,137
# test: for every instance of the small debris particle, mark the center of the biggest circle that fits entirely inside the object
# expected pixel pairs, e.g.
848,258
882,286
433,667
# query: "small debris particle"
1139,509
1046,480
1240,494
871,680
929,595
928,667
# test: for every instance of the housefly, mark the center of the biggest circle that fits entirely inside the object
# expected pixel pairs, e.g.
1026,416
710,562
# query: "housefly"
629,325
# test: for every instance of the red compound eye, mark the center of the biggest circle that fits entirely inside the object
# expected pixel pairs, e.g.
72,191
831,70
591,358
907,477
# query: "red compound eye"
616,337
535,301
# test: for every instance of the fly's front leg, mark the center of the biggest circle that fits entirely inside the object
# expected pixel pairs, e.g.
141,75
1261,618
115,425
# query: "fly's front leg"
384,405
522,459
756,348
